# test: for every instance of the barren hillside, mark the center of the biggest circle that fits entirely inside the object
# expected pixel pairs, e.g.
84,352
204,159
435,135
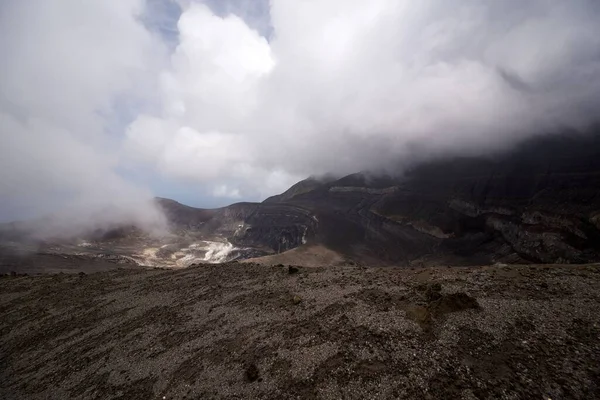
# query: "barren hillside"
250,331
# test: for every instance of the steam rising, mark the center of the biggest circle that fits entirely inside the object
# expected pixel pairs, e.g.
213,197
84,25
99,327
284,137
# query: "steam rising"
69,71
88,90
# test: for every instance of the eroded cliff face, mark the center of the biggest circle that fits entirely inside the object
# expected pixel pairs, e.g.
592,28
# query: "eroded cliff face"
265,228
276,227
536,203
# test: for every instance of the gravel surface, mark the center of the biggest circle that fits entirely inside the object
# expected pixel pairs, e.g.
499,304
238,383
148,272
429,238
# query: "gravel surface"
249,332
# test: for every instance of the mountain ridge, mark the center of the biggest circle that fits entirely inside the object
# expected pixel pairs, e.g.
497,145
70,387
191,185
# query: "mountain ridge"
538,203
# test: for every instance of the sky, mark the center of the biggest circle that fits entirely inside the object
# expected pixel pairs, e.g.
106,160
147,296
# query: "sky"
106,104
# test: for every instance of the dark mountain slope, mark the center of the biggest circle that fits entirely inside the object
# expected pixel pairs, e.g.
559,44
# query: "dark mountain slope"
538,202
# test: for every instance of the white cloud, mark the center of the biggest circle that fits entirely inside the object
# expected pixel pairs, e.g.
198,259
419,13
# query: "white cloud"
339,86
224,191
65,66
350,85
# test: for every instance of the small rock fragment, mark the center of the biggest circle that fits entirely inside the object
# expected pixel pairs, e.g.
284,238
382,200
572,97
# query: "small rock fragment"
251,372
433,292
292,270
454,302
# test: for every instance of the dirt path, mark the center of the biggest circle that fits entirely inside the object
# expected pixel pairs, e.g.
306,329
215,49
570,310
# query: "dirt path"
247,331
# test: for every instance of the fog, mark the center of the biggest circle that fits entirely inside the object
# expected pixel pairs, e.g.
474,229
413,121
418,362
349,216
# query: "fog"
69,72
246,103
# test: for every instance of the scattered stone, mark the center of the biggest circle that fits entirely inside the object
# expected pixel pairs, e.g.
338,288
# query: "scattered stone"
433,292
251,373
292,270
454,302
420,314
297,300
437,305
524,325
339,342
430,292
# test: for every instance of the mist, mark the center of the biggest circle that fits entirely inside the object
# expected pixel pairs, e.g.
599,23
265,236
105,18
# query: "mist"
70,74
244,101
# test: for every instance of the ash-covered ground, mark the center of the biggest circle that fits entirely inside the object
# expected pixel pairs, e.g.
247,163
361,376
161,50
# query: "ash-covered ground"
277,332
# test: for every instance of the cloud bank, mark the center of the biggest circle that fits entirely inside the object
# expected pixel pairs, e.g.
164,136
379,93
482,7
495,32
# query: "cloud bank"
342,86
70,71
245,106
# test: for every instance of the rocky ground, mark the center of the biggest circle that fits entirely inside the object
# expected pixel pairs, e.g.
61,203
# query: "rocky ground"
249,331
